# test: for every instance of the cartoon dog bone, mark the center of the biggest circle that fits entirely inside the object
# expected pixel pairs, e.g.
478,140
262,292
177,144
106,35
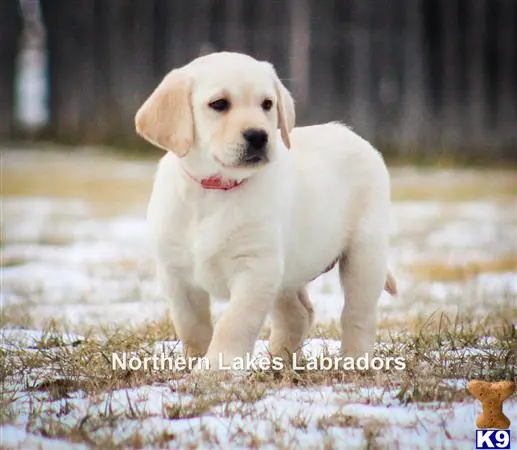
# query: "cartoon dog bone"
492,396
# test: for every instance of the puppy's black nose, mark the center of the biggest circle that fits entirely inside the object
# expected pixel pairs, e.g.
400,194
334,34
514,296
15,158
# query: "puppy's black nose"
256,138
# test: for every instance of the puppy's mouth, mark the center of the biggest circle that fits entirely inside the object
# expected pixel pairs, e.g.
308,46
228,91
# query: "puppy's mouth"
221,163
252,163
254,154
253,160
245,161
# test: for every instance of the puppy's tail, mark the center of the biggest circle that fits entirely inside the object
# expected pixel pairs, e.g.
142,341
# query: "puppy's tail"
391,284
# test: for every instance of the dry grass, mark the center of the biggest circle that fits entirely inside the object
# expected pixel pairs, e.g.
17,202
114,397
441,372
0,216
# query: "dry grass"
92,177
447,272
440,350
41,385
107,196
455,185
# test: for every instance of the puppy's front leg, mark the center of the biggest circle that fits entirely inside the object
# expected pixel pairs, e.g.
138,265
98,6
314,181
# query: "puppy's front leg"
252,298
190,311
292,318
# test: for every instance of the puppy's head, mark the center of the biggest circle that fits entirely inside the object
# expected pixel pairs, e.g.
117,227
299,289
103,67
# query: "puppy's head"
225,105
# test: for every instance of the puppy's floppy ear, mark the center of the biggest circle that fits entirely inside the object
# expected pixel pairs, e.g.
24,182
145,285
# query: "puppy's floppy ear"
286,114
166,118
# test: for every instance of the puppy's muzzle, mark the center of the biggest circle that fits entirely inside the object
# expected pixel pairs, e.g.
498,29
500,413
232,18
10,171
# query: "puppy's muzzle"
256,146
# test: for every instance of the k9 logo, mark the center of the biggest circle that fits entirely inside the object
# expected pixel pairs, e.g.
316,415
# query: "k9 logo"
492,439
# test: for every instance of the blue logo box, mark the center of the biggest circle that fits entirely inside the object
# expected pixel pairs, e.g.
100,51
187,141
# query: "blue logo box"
492,439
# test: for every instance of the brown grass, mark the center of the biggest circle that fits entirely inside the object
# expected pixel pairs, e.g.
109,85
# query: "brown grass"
442,271
440,349
91,176
454,186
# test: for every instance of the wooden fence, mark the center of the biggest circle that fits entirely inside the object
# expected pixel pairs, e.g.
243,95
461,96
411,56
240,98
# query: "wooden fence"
418,77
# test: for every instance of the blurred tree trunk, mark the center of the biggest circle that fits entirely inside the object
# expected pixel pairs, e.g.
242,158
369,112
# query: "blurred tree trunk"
507,80
341,61
300,43
476,65
360,82
10,35
117,70
200,30
265,39
131,61
451,100
234,36
388,57
175,32
413,133
103,101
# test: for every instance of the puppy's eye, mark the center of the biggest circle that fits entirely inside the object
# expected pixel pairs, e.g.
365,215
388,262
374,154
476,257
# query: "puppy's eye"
220,105
267,105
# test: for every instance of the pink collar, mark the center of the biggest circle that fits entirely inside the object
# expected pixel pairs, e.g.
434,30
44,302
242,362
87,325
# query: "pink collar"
215,182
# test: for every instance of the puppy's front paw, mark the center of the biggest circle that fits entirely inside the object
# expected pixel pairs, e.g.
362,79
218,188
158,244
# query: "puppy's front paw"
225,362
216,362
220,367
205,364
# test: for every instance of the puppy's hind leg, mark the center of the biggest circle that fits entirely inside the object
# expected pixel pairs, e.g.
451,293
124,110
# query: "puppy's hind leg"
190,309
293,316
363,274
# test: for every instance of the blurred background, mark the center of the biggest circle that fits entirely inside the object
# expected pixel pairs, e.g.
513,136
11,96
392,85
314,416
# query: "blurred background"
423,79
427,81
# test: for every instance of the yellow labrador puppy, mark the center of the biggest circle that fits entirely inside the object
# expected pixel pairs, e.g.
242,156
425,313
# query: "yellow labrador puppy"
246,207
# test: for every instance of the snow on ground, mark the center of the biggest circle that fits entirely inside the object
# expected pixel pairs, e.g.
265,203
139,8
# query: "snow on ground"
71,253
66,261
291,417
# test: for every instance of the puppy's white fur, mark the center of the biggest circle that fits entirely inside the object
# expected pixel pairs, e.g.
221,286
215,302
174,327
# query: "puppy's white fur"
260,243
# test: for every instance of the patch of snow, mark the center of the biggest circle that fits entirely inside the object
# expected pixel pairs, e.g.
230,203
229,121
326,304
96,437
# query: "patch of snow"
33,338
288,416
18,437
